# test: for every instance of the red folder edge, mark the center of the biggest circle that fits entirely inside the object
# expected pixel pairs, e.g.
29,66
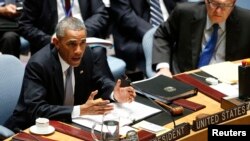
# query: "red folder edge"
202,87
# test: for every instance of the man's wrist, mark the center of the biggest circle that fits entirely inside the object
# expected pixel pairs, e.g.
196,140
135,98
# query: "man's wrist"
162,65
112,97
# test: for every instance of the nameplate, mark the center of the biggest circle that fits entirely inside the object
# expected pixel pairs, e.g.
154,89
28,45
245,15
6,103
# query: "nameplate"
220,117
176,133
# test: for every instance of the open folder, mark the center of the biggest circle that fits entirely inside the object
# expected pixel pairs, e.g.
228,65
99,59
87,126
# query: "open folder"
128,113
164,88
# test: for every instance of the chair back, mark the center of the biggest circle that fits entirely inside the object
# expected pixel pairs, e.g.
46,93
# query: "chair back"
116,65
147,44
11,77
243,3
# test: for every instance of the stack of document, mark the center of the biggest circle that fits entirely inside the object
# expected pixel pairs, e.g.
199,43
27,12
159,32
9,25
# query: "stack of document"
226,72
128,113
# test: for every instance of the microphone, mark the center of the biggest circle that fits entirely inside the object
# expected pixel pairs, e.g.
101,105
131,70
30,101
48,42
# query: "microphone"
175,111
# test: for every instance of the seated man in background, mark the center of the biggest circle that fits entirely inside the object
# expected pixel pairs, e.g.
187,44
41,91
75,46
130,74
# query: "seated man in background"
184,42
9,40
39,19
47,90
132,19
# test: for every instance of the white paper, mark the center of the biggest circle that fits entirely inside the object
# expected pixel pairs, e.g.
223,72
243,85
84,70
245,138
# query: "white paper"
128,113
151,127
226,72
231,91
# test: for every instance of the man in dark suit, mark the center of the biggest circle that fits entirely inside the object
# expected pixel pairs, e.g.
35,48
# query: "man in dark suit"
44,86
131,22
9,40
39,19
179,42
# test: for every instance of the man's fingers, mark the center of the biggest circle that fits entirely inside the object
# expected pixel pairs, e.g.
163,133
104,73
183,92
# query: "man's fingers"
92,95
102,109
103,102
117,85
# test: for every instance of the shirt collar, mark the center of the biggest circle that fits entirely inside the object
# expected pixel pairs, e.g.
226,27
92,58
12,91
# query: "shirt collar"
64,65
209,25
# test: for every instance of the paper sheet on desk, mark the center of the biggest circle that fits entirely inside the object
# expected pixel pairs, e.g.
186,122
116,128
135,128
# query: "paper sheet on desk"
128,113
231,91
226,72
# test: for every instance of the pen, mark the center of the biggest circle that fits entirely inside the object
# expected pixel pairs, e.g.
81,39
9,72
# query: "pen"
245,62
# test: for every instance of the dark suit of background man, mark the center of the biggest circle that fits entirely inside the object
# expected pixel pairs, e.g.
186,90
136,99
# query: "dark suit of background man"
131,22
9,40
43,93
181,39
39,19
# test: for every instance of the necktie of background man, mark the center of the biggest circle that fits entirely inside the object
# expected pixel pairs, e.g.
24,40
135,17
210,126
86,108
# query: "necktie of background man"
208,51
69,94
68,8
156,13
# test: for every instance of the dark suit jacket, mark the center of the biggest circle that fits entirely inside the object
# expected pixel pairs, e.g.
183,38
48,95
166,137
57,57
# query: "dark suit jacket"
40,17
42,92
131,22
178,41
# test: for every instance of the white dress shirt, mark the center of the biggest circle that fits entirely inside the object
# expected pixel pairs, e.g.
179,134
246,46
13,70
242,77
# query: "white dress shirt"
219,51
65,66
76,12
164,10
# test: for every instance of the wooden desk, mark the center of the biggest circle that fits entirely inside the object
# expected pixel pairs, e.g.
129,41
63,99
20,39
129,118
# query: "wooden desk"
55,136
212,107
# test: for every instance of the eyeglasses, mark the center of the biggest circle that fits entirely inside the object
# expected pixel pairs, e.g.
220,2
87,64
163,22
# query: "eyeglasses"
215,5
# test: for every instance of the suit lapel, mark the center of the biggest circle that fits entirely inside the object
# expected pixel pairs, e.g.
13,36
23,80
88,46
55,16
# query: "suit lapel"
52,6
83,8
232,30
170,4
197,29
58,77
81,82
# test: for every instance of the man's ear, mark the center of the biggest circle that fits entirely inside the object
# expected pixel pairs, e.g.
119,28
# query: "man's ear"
55,41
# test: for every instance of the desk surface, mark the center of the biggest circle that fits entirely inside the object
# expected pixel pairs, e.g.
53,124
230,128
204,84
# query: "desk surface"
212,107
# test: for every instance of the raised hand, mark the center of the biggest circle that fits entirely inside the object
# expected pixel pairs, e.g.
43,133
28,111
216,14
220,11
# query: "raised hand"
95,106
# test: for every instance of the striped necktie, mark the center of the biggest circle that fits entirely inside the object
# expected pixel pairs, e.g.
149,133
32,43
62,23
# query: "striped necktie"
156,13
69,94
208,51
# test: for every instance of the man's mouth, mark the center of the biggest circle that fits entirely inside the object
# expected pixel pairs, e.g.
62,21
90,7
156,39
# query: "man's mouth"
76,58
